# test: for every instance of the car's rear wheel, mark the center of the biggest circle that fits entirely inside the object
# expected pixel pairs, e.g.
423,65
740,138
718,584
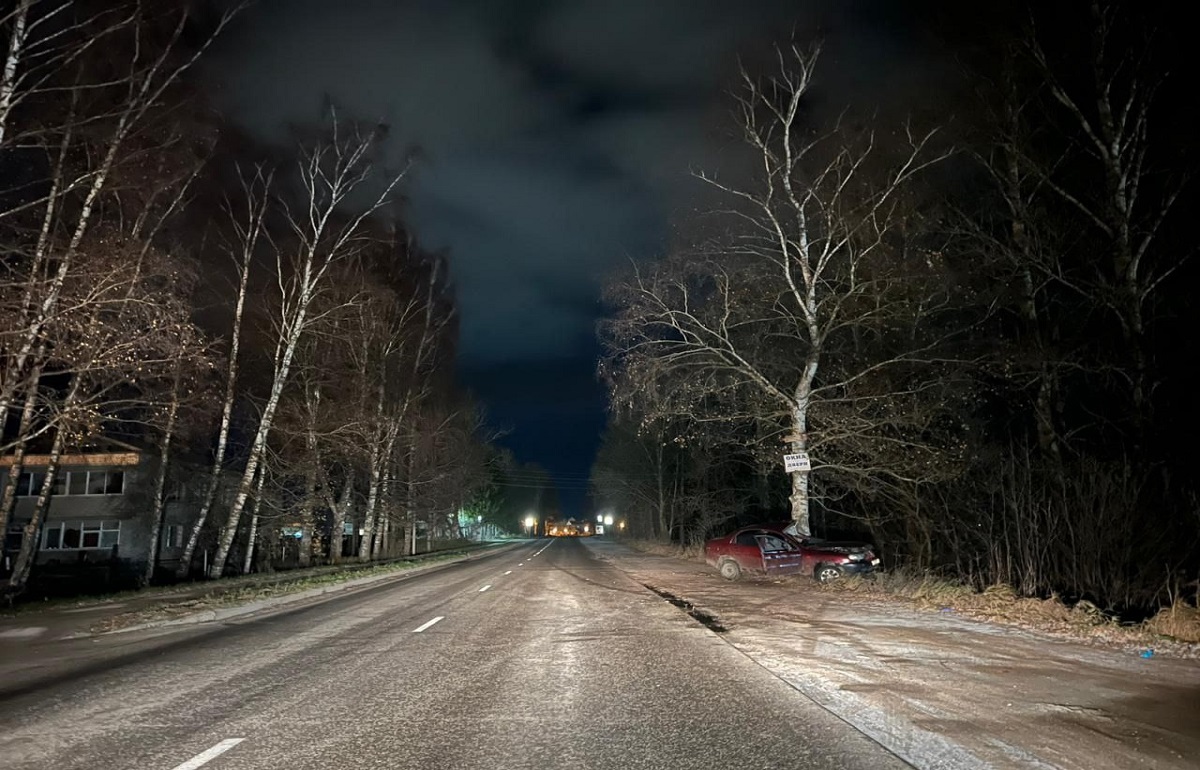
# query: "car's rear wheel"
729,569
827,573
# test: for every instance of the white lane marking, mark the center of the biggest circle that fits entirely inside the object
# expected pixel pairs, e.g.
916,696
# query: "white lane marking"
522,564
28,632
481,590
208,755
508,573
424,626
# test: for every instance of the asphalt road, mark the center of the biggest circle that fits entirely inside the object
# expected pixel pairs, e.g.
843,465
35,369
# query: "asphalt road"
539,657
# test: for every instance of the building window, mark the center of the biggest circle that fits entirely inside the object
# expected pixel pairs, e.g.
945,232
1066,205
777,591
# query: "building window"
29,484
114,483
74,483
101,534
88,534
172,536
95,483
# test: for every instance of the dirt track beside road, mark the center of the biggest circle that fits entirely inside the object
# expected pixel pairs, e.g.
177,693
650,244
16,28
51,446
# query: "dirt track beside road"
945,691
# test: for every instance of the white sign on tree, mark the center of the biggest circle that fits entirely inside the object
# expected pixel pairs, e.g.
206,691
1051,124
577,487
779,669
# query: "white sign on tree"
797,462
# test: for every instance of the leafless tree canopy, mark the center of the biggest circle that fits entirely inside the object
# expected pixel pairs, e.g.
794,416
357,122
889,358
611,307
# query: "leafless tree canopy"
977,363
812,314
316,393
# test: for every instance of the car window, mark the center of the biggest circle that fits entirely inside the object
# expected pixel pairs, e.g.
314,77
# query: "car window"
747,538
772,543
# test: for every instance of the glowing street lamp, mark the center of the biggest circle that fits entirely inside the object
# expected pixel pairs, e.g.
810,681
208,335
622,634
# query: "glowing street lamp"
608,520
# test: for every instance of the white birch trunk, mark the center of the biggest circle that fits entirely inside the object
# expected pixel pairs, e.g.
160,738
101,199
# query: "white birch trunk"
252,540
12,62
340,512
29,540
160,482
370,512
250,238
8,499
217,567
800,498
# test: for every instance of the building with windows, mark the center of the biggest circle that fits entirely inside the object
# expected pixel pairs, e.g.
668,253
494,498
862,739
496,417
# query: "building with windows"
99,514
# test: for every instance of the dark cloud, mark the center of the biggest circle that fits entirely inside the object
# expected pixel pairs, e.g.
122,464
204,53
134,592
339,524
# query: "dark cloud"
525,233
666,46
556,137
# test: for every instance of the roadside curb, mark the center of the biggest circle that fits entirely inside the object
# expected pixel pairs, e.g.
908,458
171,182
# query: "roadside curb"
226,613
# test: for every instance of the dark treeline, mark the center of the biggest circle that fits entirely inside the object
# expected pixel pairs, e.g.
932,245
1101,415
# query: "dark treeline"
978,329
258,321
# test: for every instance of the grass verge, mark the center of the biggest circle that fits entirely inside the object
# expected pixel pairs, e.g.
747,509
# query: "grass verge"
223,595
170,602
1001,604
1177,626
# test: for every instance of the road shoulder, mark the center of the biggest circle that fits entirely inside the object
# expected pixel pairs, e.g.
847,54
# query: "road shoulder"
941,690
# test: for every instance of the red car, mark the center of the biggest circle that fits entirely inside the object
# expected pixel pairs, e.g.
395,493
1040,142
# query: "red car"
770,550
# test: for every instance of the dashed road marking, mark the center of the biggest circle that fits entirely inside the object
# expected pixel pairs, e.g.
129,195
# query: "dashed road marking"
210,754
508,573
481,590
424,626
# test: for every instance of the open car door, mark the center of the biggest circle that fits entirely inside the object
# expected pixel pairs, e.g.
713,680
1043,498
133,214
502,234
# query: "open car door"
780,556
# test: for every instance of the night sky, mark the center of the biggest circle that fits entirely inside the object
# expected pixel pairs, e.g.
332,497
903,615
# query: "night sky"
556,140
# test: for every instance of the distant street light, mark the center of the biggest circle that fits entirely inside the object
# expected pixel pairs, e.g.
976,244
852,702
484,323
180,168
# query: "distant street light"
608,520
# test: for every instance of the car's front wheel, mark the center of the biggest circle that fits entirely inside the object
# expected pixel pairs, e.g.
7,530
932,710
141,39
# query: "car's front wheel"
827,573
730,569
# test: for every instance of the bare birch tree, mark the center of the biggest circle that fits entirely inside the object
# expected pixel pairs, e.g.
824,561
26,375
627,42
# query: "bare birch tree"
1106,111
181,396
131,332
140,82
95,115
246,220
1073,244
769,324
409,332
444,465
319,238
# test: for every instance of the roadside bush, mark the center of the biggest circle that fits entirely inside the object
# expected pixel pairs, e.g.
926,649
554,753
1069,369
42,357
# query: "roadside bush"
1179,621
